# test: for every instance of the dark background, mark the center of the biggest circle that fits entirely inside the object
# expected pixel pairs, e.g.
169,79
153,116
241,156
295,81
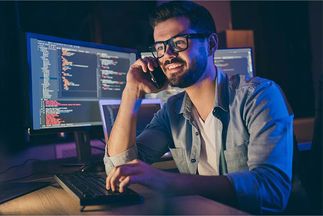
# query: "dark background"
283,46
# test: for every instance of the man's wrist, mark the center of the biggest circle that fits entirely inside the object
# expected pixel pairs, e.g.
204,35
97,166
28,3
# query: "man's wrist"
133,91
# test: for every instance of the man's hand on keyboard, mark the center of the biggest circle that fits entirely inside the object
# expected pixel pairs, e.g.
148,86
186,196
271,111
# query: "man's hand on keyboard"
134,172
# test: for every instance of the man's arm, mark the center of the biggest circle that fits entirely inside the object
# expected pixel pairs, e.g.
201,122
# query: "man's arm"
265,187
137,172
123,134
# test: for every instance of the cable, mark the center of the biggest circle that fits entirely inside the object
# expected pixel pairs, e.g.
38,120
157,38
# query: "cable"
98,148
32,159
15,166
103,141
23,177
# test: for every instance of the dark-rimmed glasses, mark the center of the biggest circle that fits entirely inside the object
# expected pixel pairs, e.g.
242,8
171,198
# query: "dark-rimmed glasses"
178,43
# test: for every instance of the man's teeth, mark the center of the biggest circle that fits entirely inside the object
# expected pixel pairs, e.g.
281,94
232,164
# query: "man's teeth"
174,66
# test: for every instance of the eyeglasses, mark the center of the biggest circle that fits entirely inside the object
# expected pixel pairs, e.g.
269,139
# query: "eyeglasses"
178,43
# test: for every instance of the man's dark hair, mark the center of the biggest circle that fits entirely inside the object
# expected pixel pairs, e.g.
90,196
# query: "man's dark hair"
199,17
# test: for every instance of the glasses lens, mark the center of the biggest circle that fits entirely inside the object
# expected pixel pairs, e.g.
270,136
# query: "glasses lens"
179,43
159,49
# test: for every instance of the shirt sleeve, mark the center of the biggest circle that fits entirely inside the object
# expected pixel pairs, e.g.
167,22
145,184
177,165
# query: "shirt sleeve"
150,145
119,159
266,186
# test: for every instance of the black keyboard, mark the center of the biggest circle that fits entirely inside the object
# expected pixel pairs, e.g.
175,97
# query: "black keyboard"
90,189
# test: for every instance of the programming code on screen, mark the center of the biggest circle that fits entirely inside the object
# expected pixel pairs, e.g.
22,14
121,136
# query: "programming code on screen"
234,61
67,80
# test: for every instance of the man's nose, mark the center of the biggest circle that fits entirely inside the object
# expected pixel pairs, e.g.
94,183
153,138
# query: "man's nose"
169,51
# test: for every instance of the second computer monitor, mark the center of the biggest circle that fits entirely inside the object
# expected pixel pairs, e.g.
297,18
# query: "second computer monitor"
235,61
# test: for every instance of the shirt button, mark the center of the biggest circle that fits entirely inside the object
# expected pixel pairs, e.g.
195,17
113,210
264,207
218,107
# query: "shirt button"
193,160
215,113
197,133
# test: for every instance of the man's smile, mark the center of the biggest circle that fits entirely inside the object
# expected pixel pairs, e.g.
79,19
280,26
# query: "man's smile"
174,67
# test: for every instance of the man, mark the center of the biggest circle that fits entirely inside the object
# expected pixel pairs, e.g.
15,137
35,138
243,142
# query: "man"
231,139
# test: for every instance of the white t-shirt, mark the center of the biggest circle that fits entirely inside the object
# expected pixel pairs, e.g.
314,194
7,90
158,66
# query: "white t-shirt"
210,150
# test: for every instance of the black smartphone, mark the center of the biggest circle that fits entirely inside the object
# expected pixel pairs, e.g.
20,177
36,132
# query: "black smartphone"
158,77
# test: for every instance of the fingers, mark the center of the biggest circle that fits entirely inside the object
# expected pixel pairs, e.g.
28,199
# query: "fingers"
127,181
132,172
112,177
141,63
120,173
152,63
123,183
138,74
148,86
146,64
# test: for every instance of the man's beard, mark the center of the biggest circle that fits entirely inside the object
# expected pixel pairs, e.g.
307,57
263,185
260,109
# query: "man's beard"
191,76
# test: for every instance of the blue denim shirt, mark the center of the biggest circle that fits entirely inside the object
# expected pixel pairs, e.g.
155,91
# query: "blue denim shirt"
255,132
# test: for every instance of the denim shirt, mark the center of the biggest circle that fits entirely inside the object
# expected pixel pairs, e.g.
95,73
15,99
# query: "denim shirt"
255,132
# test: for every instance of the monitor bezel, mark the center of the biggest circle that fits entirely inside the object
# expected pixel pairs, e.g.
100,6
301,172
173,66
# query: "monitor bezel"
106,102
31,130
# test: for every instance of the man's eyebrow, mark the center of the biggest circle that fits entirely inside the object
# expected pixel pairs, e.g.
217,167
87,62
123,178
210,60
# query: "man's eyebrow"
181,33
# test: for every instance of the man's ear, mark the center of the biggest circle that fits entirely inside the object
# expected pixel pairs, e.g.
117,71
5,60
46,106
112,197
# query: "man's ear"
213,43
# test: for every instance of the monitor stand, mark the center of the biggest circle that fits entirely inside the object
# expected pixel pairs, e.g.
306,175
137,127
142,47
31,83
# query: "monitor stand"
83,146
84,156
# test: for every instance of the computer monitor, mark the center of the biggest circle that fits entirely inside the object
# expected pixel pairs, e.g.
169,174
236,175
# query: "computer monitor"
67,79
109,110
235,61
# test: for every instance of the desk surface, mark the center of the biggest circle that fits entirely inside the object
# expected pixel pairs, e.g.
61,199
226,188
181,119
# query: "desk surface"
54,200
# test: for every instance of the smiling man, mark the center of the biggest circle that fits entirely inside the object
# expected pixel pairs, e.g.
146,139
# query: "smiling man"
231,138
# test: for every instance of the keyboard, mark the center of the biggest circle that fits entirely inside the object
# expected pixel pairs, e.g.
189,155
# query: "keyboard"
89,189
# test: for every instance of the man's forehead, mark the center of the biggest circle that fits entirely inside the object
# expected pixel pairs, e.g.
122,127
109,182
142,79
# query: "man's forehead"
170,27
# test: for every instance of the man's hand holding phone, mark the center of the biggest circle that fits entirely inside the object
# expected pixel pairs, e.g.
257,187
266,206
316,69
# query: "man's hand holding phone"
139,83
146,76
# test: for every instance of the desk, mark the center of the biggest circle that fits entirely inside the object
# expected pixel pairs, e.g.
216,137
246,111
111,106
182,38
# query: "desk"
54,200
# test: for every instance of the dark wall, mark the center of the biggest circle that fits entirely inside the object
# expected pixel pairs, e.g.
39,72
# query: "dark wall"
282,47
125,23
116,23
315,25
122,23
11,106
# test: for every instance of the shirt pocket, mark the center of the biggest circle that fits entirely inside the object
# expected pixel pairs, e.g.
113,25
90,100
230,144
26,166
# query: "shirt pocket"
236,158
180,159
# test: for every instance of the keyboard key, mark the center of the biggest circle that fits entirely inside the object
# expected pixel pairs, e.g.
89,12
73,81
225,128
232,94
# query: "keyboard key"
90,189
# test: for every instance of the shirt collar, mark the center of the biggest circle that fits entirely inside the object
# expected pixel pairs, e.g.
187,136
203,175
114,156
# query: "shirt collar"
221,96
221,91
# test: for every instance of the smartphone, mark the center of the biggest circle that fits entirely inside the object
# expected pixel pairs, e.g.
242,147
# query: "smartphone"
158,77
